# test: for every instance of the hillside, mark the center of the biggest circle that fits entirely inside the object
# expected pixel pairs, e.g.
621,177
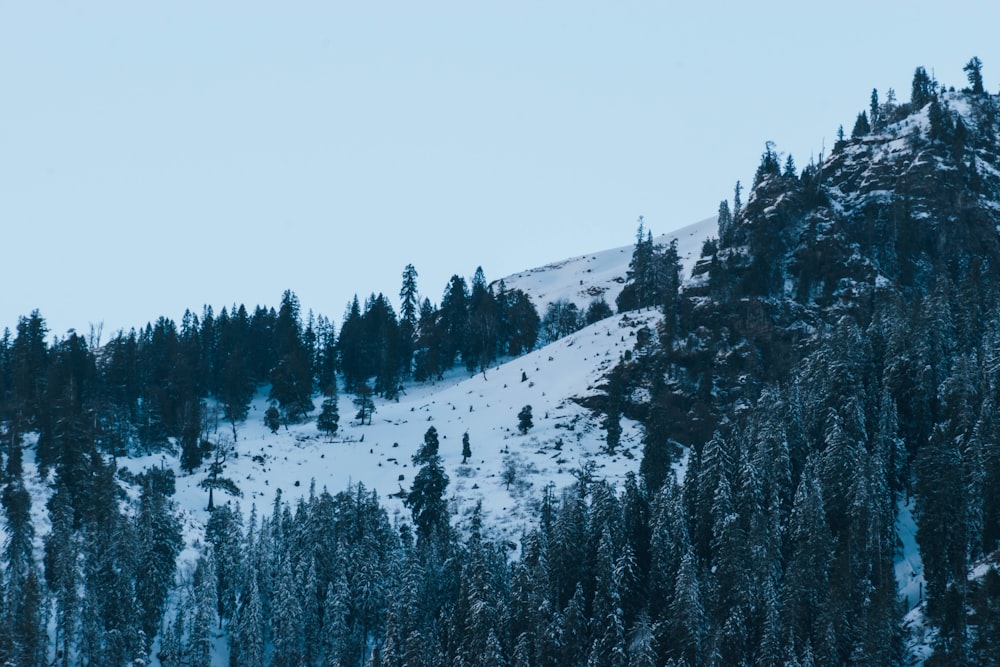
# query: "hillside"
579,280
784,451
565,438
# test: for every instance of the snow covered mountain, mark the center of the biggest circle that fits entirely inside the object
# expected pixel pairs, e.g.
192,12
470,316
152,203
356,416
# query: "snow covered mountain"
824,376
507,470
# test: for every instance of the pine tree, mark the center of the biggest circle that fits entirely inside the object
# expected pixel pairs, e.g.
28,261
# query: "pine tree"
454,319
807,579
429,355
482,340
974,72
521,323
329,416
62,552
291,378
158,533
426,497
365,404
351,348
20,532
248,638
923,88
688,620
725,218
27,622
335,631
408,310
861,126
639,289
199,642
286,617
272,418
875,113
574,636
466,447
524,421
224,531
383,346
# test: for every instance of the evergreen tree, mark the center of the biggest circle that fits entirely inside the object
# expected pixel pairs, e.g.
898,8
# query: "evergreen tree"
62,575
807,579
861,126
291,378
726,221
466,447
597,310
335,630
923,88
974,72
688,621
382,348
521,321
637,292
482,341
286,617
524,420
224,531
365,404
237,387
28,363
326,356
408,311
454,319
329,417
272,418
426,497
158,533
247,647
430,355
199,642
875,112
351,347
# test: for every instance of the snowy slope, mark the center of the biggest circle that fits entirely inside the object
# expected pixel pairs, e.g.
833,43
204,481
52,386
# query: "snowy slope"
507,471
564,439
581,279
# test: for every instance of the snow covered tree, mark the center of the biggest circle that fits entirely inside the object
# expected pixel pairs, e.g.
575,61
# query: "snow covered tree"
426,497
329,416
688,620
158,533
247,642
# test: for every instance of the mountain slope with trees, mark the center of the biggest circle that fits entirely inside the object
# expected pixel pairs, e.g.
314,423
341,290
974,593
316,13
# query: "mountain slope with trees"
728,471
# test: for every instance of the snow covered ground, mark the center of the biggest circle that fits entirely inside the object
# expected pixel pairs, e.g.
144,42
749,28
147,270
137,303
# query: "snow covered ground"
580,280
507,471
564,438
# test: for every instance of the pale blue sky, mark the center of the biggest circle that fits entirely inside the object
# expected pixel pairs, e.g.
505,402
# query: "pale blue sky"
158,156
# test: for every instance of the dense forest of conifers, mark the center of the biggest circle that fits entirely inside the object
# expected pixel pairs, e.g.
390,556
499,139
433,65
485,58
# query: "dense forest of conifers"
81,405
833,358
